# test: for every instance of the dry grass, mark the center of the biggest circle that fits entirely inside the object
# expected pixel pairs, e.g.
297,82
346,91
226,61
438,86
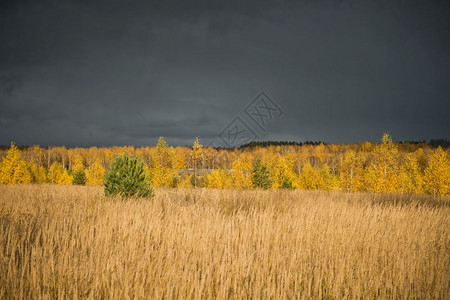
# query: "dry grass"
64,242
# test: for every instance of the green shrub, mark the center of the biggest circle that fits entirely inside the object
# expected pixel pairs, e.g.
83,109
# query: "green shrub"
126,177
287,184
79,177
261,176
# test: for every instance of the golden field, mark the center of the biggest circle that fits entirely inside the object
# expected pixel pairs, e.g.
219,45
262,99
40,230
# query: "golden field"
68,242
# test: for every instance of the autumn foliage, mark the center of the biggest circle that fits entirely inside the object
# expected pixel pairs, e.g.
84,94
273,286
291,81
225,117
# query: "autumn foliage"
385,167
13,169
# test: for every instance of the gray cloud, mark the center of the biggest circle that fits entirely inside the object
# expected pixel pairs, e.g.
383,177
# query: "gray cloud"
108,72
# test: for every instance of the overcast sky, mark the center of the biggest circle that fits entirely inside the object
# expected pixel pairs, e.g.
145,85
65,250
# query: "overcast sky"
76,73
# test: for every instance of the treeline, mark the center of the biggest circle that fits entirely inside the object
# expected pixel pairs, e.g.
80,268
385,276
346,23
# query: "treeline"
278,143
386,167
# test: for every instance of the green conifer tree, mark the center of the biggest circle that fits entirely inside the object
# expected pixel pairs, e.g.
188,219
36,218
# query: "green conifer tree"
261,176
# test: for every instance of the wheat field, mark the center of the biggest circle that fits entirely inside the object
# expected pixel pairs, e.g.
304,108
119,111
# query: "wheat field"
68,242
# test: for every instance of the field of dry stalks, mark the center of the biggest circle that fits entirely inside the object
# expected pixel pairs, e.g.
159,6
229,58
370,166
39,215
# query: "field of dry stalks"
67,242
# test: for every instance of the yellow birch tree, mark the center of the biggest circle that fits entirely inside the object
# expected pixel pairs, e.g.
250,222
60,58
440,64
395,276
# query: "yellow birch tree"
95,174
382,175
437,174
197,156
309,178
410,177
350,172
219,179
57,174
163,173
38,174
14,170
242,172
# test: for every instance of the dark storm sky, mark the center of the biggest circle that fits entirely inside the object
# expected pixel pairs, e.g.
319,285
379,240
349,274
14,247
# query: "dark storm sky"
126,72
